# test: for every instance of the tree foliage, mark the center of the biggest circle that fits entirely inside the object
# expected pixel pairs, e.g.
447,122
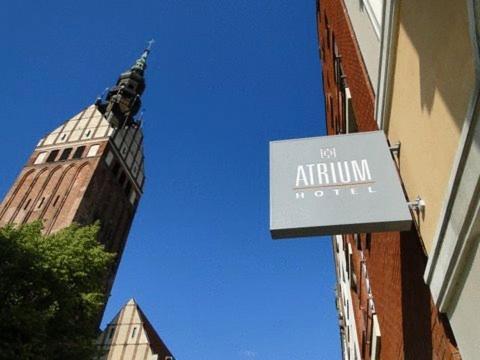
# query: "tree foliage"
51,291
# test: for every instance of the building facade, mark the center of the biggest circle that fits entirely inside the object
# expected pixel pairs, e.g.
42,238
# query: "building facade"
131,336
411,69
91,168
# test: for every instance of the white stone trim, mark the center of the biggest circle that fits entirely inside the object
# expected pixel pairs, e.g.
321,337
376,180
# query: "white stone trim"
376,23
387,56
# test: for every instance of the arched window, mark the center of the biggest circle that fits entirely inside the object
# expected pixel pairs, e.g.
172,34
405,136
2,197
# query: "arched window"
52,156
65,154
78,152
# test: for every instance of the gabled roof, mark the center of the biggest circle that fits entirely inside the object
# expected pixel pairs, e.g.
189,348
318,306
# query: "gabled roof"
131,335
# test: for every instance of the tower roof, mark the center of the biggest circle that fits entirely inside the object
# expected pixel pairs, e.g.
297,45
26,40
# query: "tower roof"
130,331
141,63
123,100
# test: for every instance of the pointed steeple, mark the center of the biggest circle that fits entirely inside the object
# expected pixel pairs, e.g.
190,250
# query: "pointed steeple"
122,101
141,63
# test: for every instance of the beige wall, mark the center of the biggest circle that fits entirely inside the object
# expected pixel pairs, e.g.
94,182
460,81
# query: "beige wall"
432,83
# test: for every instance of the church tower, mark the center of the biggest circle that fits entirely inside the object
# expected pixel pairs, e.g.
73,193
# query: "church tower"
89,168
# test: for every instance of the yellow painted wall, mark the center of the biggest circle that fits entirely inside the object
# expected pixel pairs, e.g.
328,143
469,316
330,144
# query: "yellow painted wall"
432,83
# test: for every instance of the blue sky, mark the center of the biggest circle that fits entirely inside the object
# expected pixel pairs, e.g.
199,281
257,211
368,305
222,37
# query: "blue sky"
224,78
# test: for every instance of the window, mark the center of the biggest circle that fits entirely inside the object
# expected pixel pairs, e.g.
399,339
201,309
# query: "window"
65,154
26,204
353,281
337,125
368,241
112,331
93,150
128,188
115,168
78,152
328,31
347,307
56,200
375,338
40,158
350,261
133,197
134,331
330,103
40,203
364,342
52,156
351,123
109,158
358,241
122,178
337,64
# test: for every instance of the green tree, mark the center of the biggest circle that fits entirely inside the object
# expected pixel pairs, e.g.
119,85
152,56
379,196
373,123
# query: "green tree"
50,291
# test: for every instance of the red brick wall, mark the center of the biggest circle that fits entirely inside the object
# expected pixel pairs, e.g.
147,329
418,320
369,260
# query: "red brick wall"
334,28
410,325
77,190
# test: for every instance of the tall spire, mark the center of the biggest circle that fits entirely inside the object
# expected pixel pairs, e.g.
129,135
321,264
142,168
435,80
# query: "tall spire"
141,63
122,101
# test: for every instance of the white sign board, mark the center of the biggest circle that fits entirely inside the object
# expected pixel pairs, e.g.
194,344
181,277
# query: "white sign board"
335,185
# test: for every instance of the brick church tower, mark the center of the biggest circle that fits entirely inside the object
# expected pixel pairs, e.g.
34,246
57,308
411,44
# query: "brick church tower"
89,168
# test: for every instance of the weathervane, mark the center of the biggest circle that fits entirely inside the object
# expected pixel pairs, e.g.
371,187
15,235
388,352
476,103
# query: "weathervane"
150,43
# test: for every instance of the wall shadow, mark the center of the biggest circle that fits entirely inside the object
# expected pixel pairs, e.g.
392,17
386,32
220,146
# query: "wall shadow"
439,32
416,301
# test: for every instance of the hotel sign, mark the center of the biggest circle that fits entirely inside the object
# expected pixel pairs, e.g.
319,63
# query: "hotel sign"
334,185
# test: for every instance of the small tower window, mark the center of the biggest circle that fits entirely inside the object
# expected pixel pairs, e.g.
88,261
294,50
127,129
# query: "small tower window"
122,178
128,188
112,331
27,203
109,158
133,197
134,331
78,152
65,154
56,200
88,133
115,168
40,203
52,156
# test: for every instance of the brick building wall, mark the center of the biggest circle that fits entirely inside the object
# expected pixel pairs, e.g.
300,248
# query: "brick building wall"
68,180
338,45
411,326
